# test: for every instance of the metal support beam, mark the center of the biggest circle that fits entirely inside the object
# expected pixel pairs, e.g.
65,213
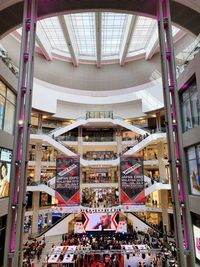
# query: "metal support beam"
177,158
13,255
180,155
152,44
127,39
98,25
170,139
69,38
43,42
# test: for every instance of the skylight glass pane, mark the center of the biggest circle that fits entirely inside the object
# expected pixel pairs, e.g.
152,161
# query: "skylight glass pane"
141,34
54,33
113,27
83,26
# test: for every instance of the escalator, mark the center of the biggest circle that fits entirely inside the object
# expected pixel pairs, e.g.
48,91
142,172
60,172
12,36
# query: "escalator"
53,225
155,229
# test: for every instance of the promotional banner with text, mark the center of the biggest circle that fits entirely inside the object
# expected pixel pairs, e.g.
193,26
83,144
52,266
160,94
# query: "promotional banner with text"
132,180
68,180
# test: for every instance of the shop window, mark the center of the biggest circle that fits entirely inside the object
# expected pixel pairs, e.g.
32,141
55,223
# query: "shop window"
7,109
190,107
9,119
193,163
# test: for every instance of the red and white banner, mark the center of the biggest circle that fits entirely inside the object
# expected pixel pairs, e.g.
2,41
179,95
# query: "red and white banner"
68,180
132,180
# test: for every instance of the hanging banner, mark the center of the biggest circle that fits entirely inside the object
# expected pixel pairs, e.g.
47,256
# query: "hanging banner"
132,180
68,180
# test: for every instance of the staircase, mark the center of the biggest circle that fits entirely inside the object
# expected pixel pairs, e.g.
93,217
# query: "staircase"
60,147
145,142
146,223
41,188
48,229
55,133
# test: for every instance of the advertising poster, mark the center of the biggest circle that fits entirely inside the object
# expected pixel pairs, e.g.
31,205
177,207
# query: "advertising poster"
132,180
5,169
196,231
68,180
44,199
193,156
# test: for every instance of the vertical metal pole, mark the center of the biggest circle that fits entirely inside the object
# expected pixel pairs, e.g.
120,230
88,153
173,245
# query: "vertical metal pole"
22,184
15,219
15,168
170,137
182,172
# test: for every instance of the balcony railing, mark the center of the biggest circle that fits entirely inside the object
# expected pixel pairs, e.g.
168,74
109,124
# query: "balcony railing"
98,139
99,114
8,62
100,180
187,55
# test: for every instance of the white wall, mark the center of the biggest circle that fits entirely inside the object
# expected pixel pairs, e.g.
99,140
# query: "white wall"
124,110
69,103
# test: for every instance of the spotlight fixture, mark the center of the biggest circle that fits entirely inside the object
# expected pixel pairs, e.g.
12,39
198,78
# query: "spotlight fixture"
20,122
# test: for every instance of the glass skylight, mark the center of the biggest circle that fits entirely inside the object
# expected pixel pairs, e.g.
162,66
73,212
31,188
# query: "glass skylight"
54,33
141,34
83,27
81,31
113,27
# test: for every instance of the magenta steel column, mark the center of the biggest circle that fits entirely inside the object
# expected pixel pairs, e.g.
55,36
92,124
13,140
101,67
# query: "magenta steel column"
170,136
181,166
14,229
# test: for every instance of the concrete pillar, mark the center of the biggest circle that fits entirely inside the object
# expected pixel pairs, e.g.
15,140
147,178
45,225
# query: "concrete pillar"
39,123
119,140
163,194
161,163
49,219
164,205
35,205
80,142
158,122
36,195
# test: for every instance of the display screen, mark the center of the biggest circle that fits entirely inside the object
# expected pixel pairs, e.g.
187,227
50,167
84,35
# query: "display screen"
100,221
196,231
79,228
5,169
122,227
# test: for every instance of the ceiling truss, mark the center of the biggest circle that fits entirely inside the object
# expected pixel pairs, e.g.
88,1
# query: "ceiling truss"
98,25
70,39
127,39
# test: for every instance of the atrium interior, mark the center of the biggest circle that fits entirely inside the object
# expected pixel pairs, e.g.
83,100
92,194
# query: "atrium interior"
99,133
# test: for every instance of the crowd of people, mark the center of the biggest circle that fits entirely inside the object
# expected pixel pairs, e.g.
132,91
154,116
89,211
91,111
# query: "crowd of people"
104,155
158,254
137,139
32,249
100,198
98,178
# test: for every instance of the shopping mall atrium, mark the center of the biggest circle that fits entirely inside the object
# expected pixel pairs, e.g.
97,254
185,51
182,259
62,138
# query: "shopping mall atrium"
99,133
